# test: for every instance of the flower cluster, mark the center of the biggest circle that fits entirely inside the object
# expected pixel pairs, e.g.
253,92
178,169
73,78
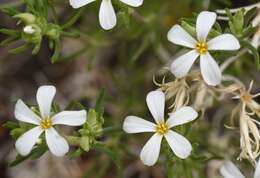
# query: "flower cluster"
193,90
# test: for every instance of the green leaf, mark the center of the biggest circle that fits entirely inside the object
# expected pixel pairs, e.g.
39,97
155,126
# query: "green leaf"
20,49
9,32
73,19
99,102
10,125
9,40
18,160
35,154
250,30
189,28
38,151
75,154
145,43
11,11
75,105
250,15
110,153
253,50
55,107
17,132
236,22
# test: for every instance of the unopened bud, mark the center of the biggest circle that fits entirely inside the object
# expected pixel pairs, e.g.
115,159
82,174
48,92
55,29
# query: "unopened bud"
53,31
28,29
26,18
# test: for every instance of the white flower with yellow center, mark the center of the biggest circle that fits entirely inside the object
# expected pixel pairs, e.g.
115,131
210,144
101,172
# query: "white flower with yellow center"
179,144
229,170
45,122
107,15
209,68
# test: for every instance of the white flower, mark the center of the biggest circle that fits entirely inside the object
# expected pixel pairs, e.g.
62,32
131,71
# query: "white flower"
209,68
45,122
229,170
28,29
107,15
179,144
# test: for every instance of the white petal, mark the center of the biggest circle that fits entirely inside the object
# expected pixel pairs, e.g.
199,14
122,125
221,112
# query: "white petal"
205,21
224,42
151,150
155,101
134,3
179,144
44,96
210,70
24,114
72,118
179,36
79,3
133,124
25,142
181,116
229,170
257,170
107,15
57,144
181,66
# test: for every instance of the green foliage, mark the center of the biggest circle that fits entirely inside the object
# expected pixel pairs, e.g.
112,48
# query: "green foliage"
36,153
134,51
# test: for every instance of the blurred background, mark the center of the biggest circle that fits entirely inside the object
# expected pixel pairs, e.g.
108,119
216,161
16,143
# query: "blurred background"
123,61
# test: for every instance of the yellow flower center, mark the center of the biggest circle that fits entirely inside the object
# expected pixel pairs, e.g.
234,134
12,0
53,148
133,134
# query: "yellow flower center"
46,123
202,47
162,128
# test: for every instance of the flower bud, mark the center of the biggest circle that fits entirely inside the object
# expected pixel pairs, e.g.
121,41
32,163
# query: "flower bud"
85,143
28,29
32,33
26,18
53,31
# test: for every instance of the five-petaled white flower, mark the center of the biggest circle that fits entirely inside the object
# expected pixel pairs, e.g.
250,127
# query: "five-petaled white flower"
229,170
209,68
179,144
107,15
45,122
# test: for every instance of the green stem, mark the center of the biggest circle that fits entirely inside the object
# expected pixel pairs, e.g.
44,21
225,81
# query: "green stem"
169,160
187,170
11,4
169,168
117,128
73,19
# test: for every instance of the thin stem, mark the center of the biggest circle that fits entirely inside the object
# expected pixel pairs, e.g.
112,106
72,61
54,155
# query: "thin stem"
169,167
221,11
117,128
11,4
232,59
73,19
